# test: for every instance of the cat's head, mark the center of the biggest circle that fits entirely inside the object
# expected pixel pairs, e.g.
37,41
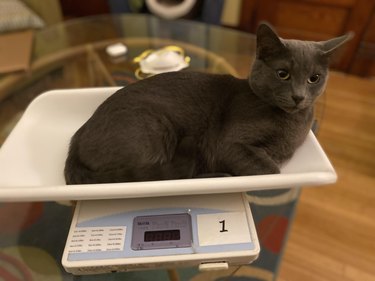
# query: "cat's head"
290,74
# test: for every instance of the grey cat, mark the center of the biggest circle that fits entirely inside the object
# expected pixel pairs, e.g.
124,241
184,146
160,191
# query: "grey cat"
186,124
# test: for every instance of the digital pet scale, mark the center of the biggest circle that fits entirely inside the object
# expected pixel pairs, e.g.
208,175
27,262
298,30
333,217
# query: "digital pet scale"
203,222
209,231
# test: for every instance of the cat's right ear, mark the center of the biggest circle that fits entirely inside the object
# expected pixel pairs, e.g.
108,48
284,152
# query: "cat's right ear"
268,43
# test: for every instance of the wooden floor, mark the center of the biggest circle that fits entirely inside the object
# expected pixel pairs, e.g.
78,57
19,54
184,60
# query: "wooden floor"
333,236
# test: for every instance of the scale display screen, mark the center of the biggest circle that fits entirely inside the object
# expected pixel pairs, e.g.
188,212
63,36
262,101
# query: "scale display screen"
162,235
161,232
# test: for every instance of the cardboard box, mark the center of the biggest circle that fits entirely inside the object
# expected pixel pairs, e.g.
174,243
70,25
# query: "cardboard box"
15,50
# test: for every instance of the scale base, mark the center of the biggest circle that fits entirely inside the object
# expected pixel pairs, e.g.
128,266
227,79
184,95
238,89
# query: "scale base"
206,231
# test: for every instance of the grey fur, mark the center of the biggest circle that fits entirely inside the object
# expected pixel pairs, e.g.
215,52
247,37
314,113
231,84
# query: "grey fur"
185,124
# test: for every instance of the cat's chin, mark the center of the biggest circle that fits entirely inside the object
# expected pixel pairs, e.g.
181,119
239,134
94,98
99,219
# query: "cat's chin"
290,109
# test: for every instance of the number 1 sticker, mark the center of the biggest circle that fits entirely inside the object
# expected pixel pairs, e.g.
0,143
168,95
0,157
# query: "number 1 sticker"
223,228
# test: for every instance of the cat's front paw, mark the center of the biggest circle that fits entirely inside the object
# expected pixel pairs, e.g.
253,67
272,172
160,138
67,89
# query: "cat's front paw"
243,160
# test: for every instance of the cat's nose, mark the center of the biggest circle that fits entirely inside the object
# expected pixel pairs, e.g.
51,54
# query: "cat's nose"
298,99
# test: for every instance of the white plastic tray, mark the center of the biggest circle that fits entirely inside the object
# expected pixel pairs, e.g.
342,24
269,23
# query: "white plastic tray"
32,158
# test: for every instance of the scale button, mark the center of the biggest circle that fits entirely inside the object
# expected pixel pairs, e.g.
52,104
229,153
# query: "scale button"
213,266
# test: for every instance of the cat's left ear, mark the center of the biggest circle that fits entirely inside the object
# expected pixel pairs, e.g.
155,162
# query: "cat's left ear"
328,47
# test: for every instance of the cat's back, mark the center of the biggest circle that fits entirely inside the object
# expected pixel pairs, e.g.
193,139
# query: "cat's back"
174,88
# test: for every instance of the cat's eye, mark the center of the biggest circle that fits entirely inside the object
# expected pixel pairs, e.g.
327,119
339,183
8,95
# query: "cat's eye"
283,74
314,79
